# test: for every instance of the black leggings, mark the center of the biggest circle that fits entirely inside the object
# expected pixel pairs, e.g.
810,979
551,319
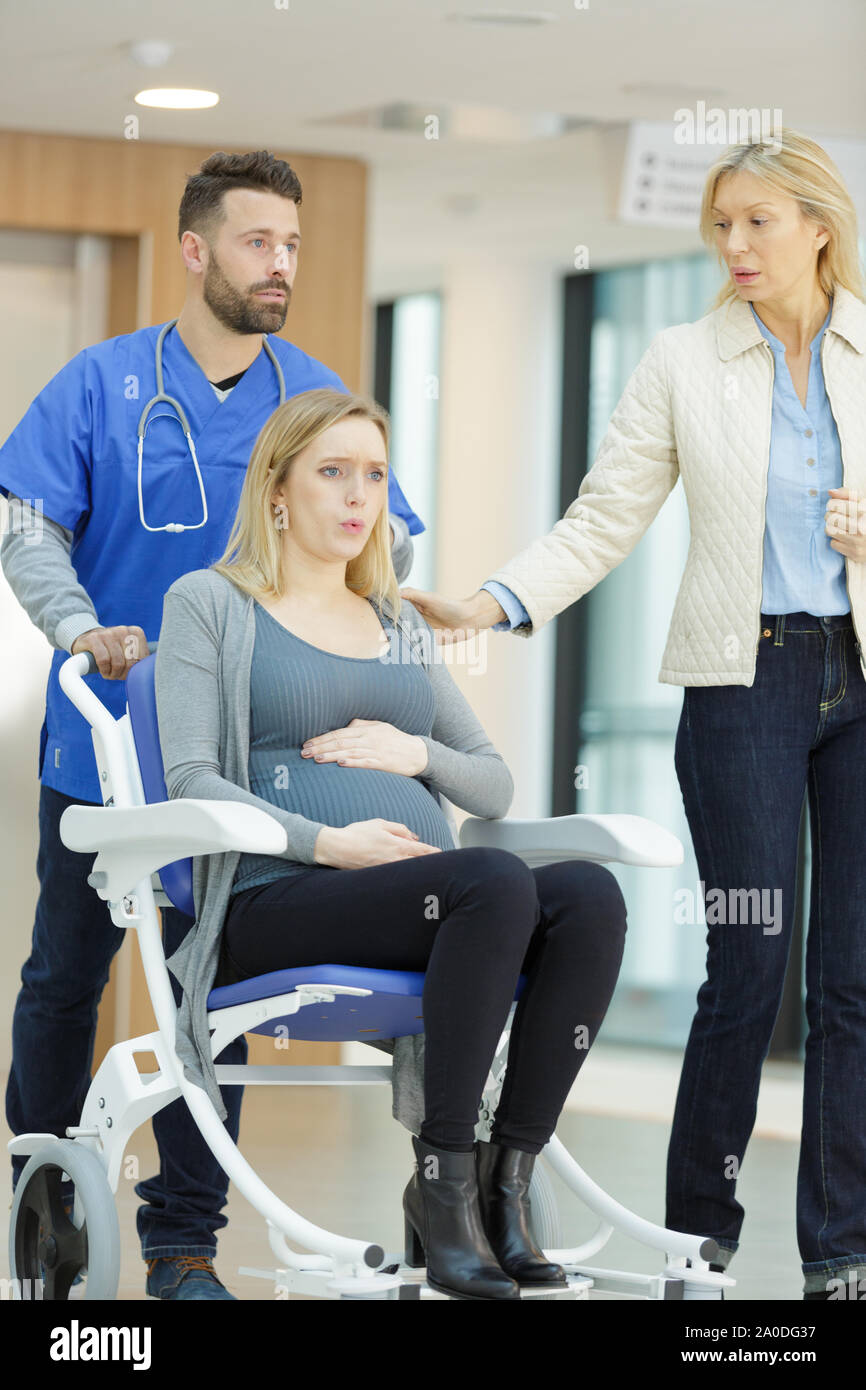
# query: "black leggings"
472,920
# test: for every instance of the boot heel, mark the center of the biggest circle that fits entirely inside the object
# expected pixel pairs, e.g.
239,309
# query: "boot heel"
413,1250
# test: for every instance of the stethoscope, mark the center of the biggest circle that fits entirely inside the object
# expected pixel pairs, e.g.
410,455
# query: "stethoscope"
184,422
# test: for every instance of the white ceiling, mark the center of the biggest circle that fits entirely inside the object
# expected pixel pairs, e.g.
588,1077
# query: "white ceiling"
284,73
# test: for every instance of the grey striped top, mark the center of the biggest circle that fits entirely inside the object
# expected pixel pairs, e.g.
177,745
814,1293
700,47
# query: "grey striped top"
298,691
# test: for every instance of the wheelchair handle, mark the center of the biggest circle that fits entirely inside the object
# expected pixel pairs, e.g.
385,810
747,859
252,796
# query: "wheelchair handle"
70,677
91,668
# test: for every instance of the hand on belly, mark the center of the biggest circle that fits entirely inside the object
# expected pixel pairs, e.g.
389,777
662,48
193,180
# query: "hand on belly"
369,743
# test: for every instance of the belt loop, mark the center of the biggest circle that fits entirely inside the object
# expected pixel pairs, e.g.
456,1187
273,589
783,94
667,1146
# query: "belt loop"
779,639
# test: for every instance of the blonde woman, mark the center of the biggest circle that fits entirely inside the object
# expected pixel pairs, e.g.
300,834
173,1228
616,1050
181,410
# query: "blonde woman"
759,406
288,676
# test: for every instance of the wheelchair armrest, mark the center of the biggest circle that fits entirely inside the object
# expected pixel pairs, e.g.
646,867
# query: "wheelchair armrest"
133,841
625,839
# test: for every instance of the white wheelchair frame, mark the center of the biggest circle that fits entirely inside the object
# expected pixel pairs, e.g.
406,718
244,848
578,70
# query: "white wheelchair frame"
133,840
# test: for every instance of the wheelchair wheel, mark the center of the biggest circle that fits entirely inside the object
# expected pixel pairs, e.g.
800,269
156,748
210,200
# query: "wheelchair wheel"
47,1249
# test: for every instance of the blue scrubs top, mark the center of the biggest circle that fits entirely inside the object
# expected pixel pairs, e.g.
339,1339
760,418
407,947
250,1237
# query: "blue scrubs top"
74,456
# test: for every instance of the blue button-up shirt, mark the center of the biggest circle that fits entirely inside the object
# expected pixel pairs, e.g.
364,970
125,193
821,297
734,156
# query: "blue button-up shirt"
801,572
515,610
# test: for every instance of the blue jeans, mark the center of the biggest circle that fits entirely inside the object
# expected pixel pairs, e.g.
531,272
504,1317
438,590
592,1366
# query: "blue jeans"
745,758
53,1031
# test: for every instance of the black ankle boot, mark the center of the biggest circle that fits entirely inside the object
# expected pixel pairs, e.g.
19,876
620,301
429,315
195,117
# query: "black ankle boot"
443,1227
504,1175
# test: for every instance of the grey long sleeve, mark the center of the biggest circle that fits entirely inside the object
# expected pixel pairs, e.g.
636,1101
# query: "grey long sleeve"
462,763
402,551
42,577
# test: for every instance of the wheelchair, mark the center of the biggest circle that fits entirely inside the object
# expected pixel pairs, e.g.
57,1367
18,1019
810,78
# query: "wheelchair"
144,845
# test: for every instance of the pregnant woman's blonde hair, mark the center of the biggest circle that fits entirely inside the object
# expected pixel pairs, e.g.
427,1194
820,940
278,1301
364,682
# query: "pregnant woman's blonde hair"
252,558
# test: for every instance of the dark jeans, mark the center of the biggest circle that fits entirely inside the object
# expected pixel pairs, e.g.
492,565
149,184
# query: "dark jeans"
53,1030
472,920
745,757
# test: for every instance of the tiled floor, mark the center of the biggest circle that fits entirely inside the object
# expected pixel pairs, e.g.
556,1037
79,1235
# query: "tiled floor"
339,1158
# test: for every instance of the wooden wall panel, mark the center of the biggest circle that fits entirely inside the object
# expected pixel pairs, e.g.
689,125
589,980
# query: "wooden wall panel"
130,191
130,188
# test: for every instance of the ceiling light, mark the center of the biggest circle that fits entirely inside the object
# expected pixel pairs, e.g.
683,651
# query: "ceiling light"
177,98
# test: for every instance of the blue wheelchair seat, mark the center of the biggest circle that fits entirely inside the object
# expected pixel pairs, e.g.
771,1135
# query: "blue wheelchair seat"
393,1009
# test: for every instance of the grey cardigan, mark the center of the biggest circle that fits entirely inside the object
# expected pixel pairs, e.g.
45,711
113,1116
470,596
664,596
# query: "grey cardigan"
202,679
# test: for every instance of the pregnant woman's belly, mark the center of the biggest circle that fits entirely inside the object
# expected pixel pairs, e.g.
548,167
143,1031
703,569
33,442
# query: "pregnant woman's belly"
339,796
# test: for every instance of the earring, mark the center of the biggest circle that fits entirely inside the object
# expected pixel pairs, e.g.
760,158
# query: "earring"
279,513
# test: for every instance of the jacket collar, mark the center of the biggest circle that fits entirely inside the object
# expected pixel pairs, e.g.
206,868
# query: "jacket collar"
736,329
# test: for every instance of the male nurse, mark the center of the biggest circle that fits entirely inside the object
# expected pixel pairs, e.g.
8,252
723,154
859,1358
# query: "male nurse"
90,562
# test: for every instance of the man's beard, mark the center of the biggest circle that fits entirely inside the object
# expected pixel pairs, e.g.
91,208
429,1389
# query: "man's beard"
239,312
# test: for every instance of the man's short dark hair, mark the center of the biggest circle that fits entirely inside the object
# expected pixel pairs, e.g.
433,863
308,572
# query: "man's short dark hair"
201,207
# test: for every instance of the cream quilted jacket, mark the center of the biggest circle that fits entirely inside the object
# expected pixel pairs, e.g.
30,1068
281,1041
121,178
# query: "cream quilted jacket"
698,405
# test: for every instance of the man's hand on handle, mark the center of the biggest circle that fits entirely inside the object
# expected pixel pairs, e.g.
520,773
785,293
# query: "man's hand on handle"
115,649
456,620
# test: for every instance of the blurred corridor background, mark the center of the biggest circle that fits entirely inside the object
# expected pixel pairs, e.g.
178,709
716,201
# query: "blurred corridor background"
496,221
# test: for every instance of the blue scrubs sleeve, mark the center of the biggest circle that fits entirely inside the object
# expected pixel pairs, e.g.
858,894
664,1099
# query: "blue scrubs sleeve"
397,503
46,459
515,612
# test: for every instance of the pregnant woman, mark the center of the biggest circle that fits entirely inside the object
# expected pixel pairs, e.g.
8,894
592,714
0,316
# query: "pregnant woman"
288,676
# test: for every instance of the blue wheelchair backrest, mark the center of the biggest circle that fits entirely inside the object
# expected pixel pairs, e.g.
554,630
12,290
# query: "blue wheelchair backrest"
176,878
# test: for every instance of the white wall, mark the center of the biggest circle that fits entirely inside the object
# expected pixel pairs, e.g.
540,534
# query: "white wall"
52,296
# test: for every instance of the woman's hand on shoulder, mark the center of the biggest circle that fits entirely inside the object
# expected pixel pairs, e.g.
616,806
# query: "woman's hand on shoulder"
456,620
367,842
